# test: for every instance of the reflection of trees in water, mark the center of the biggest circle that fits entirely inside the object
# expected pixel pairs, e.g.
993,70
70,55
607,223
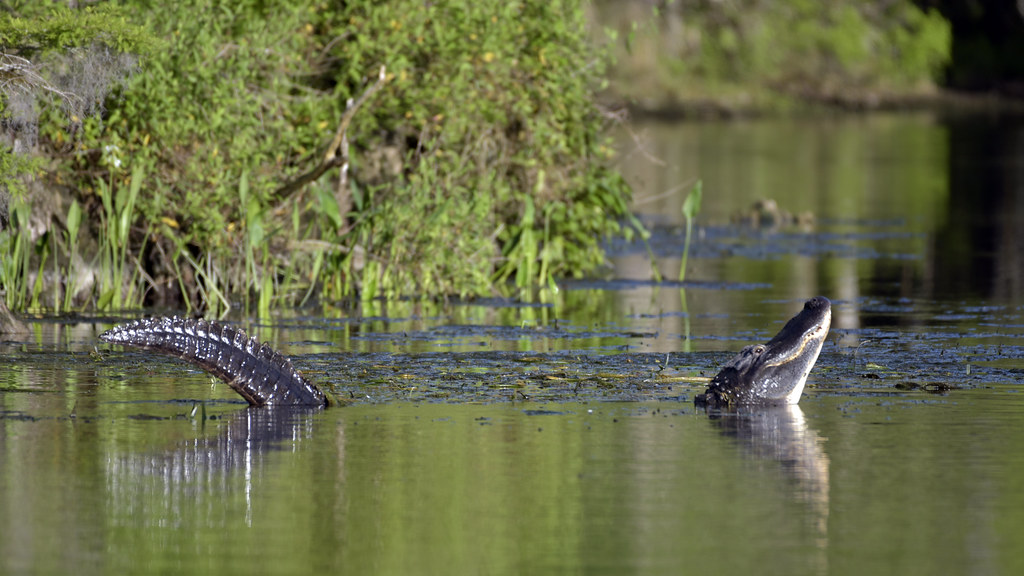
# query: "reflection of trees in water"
206,468
979,251
780,433
922,206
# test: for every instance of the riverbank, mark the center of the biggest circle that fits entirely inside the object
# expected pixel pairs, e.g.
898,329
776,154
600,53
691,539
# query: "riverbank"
738,103
690,59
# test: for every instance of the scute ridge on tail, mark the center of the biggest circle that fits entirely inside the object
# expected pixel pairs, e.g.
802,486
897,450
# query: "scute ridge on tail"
256,371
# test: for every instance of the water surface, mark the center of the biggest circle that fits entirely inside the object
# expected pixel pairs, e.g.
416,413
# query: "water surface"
559,436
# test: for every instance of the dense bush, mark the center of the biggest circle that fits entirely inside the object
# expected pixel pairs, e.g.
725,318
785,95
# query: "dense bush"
478,166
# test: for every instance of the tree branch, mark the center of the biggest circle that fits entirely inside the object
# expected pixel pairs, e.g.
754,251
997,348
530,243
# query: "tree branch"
337,151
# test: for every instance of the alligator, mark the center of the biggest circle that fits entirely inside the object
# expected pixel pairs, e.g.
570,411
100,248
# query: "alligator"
256,371
772,373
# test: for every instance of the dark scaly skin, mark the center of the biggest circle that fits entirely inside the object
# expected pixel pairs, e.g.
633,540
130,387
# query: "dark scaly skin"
775,372
258,373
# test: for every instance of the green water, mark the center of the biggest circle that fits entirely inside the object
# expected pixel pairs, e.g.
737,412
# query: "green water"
560,437
890,486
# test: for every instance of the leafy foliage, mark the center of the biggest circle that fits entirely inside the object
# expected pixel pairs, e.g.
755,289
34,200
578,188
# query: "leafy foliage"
55,27
480,160
51,55
75,56
503,165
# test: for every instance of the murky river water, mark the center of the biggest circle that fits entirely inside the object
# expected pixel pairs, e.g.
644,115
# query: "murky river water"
561,437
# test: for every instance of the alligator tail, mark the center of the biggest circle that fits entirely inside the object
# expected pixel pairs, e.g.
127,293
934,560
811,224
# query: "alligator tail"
258,373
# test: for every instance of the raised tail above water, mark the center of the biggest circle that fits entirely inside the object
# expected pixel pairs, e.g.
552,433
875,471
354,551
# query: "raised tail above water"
258,373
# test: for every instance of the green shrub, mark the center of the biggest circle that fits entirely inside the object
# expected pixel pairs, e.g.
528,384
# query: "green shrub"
479,160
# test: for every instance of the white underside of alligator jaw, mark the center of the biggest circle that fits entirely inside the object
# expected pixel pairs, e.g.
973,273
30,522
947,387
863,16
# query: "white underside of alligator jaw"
822,331
794,395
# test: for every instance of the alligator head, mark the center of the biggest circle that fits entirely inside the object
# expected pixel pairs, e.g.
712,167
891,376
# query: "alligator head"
773,373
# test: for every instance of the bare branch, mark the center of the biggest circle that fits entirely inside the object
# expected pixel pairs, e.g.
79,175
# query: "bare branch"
19,75
337,151
350,111
78,78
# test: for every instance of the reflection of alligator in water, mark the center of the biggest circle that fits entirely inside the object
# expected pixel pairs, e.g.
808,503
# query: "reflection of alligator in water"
781,434
261,375
205,469
773,373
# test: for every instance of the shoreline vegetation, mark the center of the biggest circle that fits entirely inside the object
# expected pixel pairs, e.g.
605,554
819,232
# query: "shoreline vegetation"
280,153
276,153
728,59
684,59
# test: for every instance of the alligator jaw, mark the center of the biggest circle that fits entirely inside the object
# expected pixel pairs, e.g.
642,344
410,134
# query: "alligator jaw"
258,373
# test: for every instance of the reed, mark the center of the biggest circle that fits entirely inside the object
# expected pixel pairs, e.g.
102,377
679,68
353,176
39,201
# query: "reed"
691,207
70,274
115,290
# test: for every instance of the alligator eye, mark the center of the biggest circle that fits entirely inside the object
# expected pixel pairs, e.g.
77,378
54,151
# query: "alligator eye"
759,350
